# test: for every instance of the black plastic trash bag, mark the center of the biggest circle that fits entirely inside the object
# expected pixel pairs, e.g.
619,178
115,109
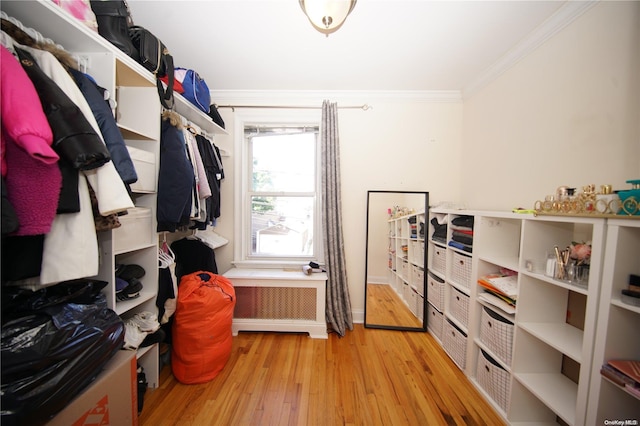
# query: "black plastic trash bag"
55,341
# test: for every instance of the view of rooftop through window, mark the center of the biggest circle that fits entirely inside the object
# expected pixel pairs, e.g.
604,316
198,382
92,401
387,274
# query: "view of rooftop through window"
283,191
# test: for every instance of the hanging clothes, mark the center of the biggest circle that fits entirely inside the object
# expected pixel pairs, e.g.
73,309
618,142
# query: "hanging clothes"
70,248
214,173
175,180
108,126
193,255
34,179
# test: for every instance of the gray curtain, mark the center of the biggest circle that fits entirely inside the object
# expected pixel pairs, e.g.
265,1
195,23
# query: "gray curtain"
338,310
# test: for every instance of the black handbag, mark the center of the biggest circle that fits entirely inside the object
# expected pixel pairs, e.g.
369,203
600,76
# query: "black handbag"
154,56
113,24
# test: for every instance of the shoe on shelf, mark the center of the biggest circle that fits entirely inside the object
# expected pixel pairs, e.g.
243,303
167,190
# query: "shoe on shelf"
152,338
146,321
133,336
127,272
131,291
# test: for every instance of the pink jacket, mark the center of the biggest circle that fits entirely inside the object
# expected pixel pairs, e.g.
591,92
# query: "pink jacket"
29,164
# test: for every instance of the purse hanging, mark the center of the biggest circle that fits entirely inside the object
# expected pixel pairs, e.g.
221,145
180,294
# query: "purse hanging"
155,57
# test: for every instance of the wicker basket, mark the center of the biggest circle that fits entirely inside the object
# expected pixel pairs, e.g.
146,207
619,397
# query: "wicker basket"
496,333
438,259
461,269
459,305
434,321
435,291
454,342
417,278
493,379
417,252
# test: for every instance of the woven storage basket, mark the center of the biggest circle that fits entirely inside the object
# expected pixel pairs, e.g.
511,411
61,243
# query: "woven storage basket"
404,270
454,342
461,269
417,252
417,278
459,305
420,306
435,291
496,333
493,379
439,259
434,321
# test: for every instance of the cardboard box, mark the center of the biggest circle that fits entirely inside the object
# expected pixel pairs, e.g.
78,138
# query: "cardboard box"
111,399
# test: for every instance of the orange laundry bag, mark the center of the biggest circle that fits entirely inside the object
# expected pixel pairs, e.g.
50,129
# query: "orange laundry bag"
201,331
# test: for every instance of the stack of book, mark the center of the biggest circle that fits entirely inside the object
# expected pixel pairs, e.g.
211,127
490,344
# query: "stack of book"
624,373
500,290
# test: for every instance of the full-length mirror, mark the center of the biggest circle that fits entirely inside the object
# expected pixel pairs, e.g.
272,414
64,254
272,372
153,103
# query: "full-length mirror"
396,253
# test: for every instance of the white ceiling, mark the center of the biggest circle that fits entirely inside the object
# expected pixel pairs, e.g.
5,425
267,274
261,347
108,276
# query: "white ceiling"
385,45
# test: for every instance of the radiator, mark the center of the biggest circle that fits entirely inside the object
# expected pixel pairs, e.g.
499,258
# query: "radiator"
284,303
279,300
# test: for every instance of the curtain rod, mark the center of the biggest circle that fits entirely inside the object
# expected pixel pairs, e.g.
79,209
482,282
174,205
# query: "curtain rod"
364,107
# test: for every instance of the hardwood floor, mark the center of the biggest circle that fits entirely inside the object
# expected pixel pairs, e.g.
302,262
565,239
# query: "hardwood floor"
368,377
384,307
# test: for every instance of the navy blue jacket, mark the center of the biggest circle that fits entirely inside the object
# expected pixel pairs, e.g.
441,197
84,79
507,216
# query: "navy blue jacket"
108,127
176,180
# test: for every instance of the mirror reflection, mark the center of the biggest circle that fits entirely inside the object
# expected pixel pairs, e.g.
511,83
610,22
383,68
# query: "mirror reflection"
395,260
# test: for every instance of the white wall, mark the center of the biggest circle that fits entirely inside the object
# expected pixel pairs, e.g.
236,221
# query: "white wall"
567,114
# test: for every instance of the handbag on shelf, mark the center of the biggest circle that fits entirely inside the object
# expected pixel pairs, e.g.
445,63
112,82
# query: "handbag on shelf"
113,24
196,90
154,56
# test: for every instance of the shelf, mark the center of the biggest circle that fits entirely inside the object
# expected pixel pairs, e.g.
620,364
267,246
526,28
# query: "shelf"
560,336
555,390
563,284
619,303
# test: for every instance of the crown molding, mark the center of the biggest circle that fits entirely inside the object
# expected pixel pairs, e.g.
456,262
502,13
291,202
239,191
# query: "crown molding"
260,98
568,13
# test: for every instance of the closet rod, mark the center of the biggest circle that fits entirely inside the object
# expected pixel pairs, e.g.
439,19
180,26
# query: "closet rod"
364,107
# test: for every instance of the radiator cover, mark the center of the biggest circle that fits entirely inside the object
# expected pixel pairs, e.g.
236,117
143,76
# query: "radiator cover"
279,300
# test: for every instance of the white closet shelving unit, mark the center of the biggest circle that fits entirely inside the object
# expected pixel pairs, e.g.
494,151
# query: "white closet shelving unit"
540,363
406,260
618,324
138,116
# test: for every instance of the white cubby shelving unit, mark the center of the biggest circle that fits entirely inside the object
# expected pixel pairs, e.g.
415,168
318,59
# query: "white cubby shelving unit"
539,362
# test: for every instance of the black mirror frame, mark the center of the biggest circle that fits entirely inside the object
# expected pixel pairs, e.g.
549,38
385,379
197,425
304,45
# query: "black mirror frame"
426,249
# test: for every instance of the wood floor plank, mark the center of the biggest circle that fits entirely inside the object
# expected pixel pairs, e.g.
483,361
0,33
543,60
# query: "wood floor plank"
368,377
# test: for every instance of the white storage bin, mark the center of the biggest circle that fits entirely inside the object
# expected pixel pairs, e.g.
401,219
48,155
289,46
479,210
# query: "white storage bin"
496,333
135,230
434,321
420,306
461,269
417,252
459,305
404,270
417,278
493,379
438,259
145,165
435,291
454,342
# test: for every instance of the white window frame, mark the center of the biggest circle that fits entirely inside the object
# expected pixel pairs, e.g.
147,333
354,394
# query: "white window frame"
242,179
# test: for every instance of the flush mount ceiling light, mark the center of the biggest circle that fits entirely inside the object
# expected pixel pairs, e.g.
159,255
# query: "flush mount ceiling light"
327,16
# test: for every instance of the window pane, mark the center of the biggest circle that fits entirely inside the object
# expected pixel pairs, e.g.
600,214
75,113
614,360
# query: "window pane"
282,226
284,163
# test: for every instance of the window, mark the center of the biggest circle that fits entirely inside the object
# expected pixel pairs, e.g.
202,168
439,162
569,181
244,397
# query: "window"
280,202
